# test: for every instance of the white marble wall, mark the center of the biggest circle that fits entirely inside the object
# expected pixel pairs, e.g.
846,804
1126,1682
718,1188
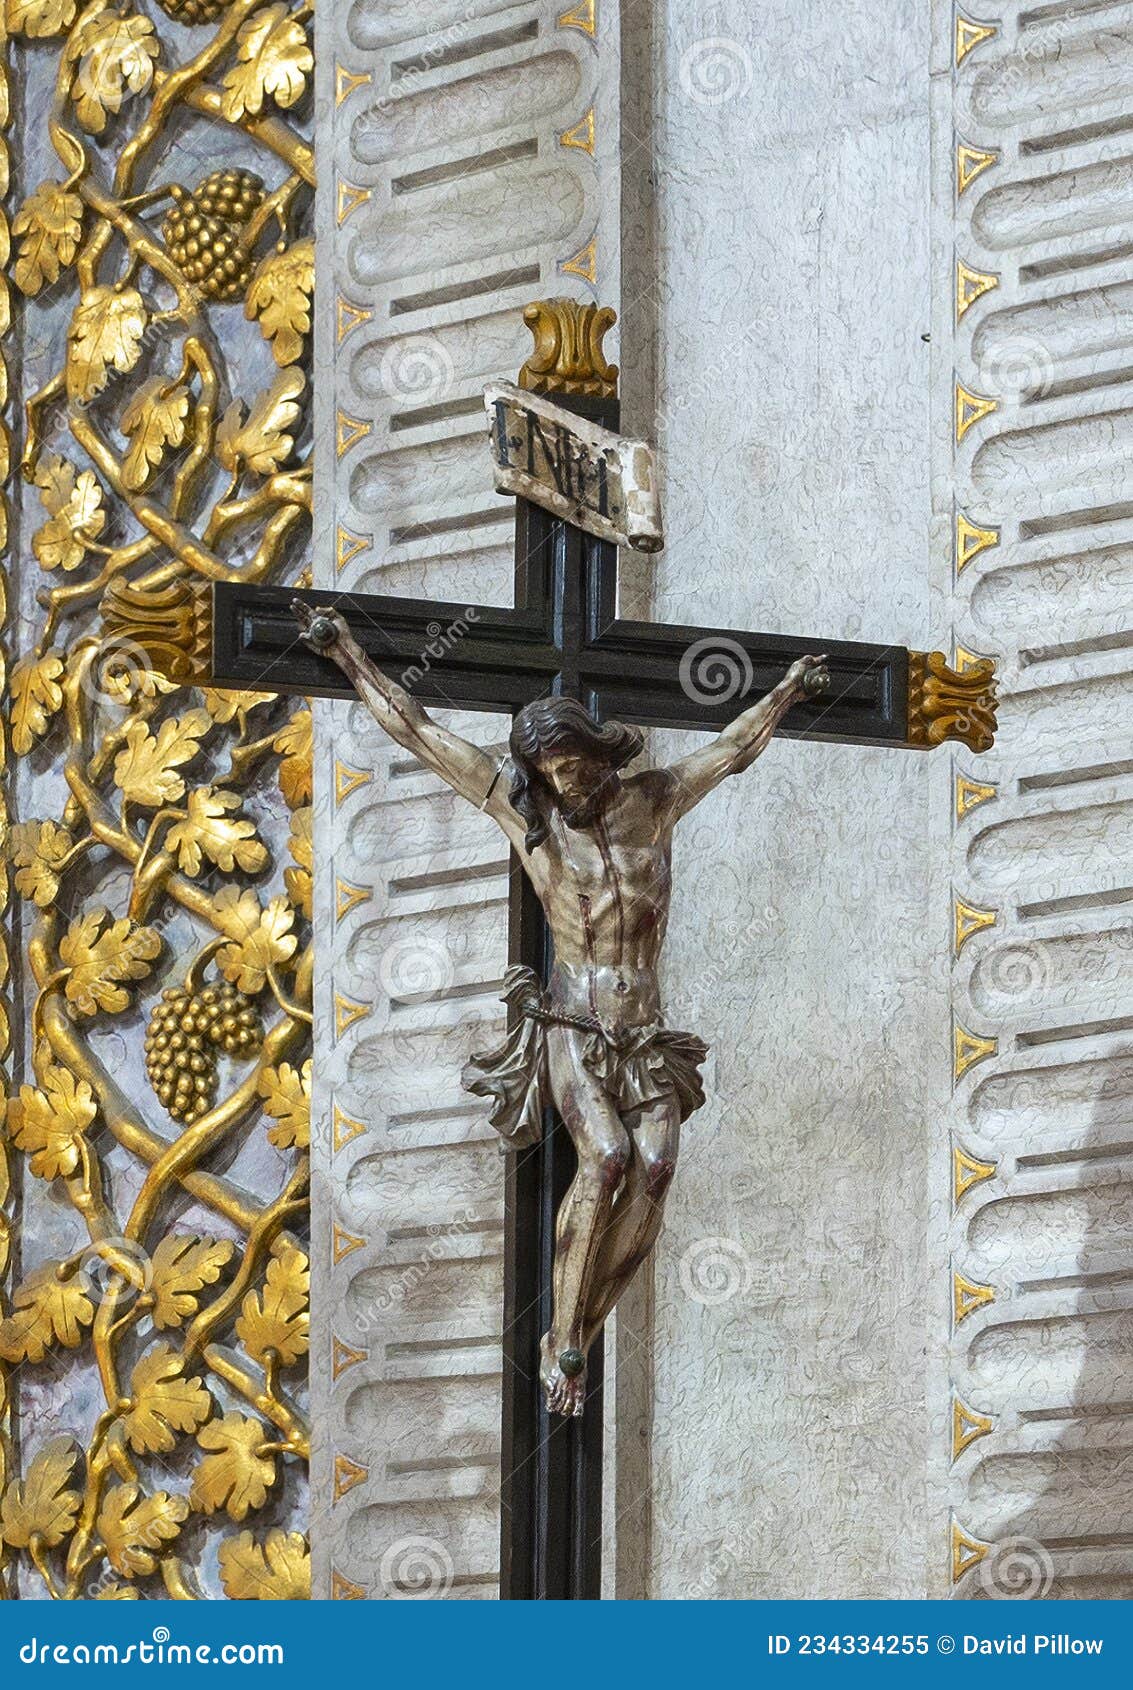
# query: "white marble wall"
790,155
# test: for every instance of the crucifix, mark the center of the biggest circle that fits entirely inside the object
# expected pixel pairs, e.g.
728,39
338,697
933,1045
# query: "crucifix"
591,1087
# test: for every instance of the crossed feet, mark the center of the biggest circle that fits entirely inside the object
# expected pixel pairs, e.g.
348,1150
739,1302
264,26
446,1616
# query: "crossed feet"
563,1375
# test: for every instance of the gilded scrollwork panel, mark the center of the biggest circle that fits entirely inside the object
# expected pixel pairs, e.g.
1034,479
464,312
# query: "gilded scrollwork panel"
155,1333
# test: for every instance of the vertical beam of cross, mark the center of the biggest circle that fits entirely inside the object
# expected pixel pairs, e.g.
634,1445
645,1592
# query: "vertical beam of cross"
551,1473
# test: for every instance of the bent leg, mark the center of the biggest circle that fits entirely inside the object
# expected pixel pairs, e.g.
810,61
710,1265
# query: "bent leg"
603,1151
637,1216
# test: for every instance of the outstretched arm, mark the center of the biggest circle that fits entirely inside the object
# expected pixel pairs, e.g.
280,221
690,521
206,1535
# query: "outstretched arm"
469,771
742,741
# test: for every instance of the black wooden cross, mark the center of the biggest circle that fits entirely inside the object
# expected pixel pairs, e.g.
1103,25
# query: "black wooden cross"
564,636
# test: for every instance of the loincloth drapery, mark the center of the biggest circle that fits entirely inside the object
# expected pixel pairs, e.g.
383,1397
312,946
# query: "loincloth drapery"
634,1068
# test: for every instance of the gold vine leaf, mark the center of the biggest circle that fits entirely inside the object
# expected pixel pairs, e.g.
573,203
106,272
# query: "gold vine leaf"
36,696
239,1472
146,770
39,850
210,831
99,957
280,296
260,441
286,1092
261,939
277,1319
48,1121
294,744
106,332
116,57
39,19
116,1593
46,1309
163,1402
278,1570
50,226
155,419
273,60
182,1266
43,1506
299,880
133,1526
75,514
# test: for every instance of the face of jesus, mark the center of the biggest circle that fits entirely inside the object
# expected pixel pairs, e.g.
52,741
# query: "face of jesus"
581,785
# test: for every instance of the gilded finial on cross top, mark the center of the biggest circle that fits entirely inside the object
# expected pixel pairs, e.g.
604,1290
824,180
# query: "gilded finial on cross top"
567,356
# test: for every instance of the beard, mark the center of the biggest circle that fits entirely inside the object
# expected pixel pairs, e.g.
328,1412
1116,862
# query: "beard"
582,812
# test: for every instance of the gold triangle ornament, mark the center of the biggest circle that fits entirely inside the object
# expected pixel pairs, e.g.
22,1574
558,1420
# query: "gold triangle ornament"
971,285
584,263
580,135
349,432
968,1049
970,794
347,897
344,1129
344,1244
967,1551
344,1357
967,1297
348,780
967,920
346,81
970,163
347,1474
349,547
346,1012
583,17
966,1427
966,1172
341,1589
969,34
350,197
350,317
971,408
972,540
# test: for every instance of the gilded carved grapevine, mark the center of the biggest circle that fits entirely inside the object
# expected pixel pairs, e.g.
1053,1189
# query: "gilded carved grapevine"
154,1329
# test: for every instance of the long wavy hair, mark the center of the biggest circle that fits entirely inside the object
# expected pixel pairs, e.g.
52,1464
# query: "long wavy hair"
559,726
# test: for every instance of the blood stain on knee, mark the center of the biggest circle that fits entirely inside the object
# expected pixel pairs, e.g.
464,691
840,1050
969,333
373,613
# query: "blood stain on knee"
659,1176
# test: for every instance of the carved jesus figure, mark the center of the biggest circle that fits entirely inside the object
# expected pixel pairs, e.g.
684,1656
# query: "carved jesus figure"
596,842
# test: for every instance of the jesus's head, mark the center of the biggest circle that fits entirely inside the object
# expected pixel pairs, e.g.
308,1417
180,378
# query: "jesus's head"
563,757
